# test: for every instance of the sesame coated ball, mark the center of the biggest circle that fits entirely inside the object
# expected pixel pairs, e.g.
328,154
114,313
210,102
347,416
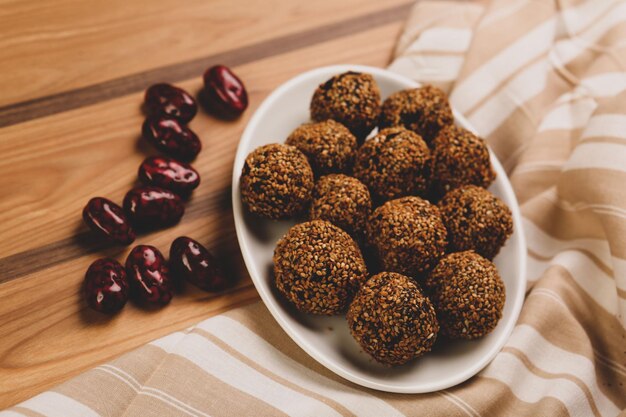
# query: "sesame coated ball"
460,158
476,220
342,200
423,110
352,99
408,235
276,181
468,294
394,163
329,145
392,320
318,267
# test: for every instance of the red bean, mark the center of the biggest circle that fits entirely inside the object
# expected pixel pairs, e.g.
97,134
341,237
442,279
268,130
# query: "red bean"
171,137
153,207
193,262
166,100
149,275
108,220
224,93
105,287
169,173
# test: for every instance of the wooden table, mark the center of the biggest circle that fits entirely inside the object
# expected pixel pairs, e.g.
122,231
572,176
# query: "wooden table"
72,75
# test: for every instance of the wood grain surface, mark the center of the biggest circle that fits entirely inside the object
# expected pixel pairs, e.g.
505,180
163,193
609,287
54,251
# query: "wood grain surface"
72,77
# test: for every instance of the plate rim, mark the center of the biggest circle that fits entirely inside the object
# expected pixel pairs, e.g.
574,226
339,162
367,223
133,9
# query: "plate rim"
266,297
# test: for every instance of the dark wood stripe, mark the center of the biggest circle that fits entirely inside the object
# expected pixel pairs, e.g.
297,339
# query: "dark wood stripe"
85,243
97,93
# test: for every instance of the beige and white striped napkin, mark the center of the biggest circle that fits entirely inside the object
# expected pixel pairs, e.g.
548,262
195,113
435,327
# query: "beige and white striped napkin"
545,83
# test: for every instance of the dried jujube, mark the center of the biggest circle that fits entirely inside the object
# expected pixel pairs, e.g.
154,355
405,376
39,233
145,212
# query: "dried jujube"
193,262
153,207
106,287
172,137
169,173
167,100
108,220
224,93
149,275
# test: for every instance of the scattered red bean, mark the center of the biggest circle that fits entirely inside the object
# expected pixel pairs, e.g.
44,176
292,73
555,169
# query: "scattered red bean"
149,275
106,287
153,207
169,173
166,100
107,219
171,137
193,262
224,93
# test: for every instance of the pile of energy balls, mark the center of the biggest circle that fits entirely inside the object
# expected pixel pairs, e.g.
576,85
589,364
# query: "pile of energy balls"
398,231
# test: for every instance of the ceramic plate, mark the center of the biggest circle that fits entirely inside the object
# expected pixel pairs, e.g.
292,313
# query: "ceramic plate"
327,339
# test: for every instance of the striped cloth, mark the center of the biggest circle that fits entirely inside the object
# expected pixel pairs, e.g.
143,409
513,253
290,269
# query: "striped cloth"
545,83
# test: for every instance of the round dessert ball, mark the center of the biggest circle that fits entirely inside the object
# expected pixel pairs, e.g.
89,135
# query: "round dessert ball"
318,267
476,220
329,146
423,110
460,158
276,181
392,320
394,163
342,200
468,294
352,99
408,235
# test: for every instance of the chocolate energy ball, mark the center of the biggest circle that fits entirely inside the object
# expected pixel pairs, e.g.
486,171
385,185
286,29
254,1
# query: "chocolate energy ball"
394,163
344,201
408,235
476,220
468,294
423,110
352,99
329,146
318,267
276,181
392,320
460,158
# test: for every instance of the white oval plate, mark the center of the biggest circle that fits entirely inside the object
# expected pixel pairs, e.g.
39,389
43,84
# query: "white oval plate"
327,339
